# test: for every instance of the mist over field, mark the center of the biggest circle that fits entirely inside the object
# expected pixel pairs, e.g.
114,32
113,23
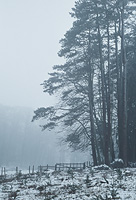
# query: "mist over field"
23,143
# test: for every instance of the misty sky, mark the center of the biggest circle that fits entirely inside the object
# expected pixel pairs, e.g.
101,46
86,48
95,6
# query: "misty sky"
30,31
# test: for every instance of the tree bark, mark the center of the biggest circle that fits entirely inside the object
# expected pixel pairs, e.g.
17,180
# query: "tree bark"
90,85
124,89
119,94
106,144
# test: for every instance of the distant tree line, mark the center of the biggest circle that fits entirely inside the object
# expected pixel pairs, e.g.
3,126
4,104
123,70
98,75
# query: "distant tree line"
96,85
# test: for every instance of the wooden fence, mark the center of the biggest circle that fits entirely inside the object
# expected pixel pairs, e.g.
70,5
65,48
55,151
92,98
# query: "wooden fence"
64,167
69,166
41,169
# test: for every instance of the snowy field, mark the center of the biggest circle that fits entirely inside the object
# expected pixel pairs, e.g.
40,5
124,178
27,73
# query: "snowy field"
88,184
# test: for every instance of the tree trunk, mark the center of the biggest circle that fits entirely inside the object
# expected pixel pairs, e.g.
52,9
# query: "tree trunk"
119,95
124,90
106,146
91,98
110,141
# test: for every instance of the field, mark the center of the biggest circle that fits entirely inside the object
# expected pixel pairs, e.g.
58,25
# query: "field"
88,184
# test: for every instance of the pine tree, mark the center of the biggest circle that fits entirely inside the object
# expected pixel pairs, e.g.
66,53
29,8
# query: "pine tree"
92,83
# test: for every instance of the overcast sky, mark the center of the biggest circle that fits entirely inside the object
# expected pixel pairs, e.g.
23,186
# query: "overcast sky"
30,31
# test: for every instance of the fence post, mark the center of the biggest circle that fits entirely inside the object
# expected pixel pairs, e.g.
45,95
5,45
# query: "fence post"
29,170
40,170
4,172
16,170
84,165
33,170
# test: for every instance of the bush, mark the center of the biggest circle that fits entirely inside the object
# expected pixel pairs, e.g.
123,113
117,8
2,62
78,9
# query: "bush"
101,167
117,163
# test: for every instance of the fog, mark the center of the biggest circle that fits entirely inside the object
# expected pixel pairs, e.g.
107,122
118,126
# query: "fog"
29,41
22,143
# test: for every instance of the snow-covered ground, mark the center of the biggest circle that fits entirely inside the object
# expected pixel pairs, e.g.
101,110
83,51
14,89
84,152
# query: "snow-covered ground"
88,184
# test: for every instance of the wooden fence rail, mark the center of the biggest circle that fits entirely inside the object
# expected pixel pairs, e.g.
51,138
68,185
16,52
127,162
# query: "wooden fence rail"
64,166
69,166
42,169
